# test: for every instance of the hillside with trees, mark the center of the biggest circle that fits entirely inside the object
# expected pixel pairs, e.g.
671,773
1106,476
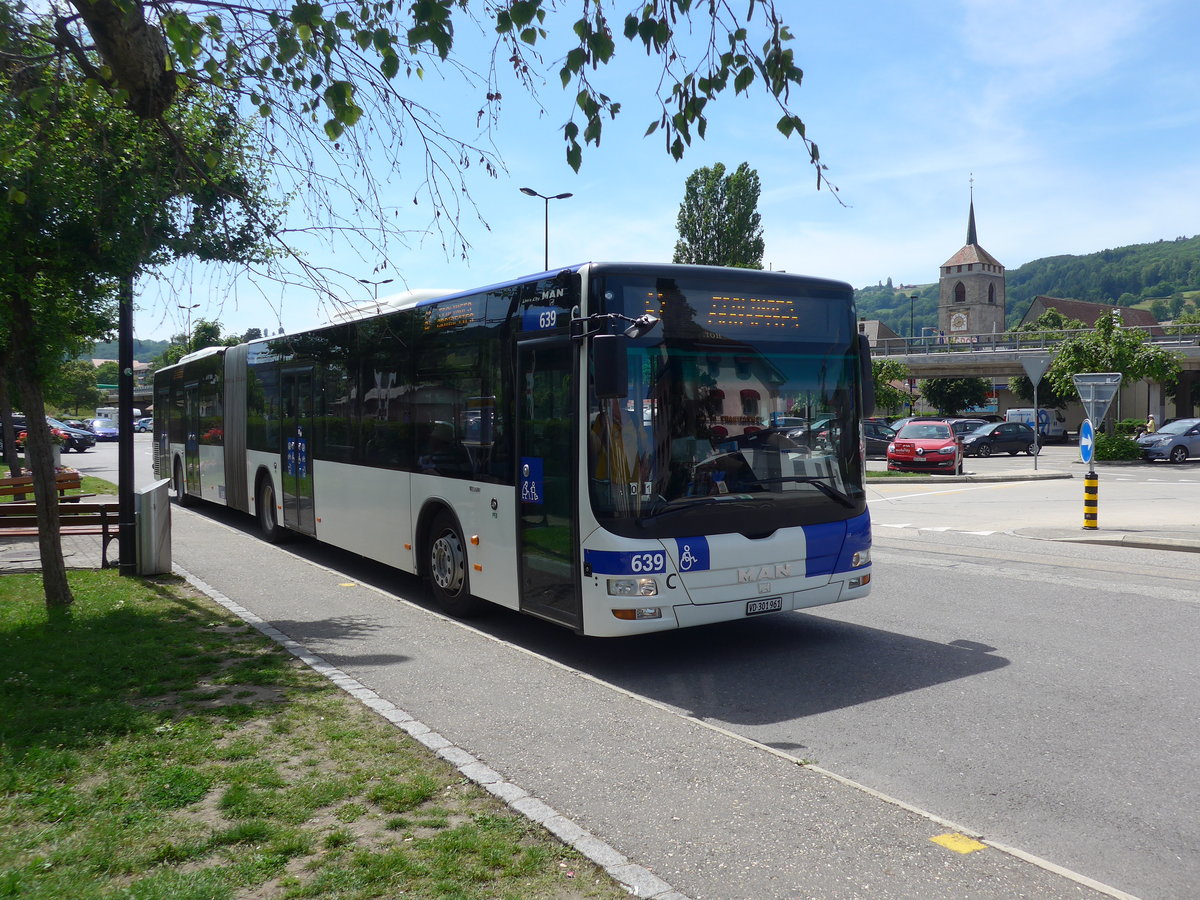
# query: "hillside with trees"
1166,271
143,351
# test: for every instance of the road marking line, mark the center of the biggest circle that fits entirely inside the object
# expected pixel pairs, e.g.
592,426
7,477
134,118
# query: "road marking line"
959,843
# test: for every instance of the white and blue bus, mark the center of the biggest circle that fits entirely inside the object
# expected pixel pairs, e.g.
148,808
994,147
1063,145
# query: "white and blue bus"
615,447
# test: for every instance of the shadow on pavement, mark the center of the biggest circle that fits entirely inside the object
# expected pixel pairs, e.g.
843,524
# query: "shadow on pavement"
753,672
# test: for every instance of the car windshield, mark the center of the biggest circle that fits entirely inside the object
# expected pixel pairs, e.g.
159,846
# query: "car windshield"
925,431
724,408
50,420
1179,426
104,423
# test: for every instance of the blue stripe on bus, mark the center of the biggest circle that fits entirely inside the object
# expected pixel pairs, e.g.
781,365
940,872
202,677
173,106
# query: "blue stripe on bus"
622,562
831,546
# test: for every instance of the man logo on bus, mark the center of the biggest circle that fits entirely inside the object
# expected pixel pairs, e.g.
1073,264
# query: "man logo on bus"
780,570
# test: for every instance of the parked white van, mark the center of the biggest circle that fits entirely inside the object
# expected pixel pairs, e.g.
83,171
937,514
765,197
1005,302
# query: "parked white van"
1051,425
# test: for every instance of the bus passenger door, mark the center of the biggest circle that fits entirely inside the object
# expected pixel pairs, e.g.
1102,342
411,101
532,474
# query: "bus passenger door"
191,444
297,392
546,529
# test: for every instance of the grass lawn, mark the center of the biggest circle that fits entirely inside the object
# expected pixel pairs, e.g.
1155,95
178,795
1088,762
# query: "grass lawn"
154,747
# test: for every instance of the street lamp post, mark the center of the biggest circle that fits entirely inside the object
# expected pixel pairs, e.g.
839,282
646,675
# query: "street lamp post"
188,346
532,193
375,284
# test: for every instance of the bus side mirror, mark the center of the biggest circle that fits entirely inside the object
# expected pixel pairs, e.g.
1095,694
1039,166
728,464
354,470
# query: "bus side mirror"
868,378
610,376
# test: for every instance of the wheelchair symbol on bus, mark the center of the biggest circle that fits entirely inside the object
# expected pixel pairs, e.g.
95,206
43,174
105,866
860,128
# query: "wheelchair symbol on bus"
686,559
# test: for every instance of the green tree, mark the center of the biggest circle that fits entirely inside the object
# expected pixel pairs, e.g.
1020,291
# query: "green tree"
1112,348
949,396
1053,325
90,197
718,222
887,395
205,333
106,373
74,386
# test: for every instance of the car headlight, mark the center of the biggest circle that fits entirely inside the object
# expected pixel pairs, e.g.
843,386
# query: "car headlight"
891,448
947,450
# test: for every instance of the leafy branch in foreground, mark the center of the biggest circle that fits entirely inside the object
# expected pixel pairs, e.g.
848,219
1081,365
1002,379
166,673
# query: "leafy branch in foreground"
327,69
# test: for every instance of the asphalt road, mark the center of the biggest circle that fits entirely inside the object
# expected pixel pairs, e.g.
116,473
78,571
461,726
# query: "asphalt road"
1040,694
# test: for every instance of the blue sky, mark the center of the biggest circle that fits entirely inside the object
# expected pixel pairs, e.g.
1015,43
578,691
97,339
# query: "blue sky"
1079,121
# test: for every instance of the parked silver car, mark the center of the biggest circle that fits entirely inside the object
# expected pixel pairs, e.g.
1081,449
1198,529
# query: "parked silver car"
1175,441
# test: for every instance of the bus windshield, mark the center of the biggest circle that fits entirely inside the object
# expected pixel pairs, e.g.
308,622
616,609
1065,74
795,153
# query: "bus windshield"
740,414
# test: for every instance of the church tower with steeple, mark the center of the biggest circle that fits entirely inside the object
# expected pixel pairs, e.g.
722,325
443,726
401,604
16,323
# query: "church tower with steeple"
971,296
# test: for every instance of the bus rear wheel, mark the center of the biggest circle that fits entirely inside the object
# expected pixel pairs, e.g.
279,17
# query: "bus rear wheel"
446,567
268,521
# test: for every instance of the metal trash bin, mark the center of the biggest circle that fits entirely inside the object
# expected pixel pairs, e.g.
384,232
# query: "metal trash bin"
152,513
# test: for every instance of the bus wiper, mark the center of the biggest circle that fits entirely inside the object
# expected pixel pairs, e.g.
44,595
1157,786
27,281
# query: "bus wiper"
694,504
816,481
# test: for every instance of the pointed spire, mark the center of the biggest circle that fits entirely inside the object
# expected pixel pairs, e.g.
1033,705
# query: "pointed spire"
971,238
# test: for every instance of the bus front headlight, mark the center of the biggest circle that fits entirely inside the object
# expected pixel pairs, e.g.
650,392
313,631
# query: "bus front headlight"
632,587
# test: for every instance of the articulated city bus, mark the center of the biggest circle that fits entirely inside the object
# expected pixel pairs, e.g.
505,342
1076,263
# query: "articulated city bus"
619,448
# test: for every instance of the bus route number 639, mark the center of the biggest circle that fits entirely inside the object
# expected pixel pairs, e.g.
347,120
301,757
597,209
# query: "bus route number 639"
648,562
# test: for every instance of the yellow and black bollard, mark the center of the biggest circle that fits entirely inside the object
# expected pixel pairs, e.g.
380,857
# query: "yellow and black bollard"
1091,501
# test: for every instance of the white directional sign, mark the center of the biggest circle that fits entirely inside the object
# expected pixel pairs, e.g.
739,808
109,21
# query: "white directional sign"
1096,390
1087,441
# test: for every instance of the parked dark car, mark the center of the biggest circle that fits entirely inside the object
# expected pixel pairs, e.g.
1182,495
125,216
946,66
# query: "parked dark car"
1175,441
76,439
963,426
103,429
1000,437
877,437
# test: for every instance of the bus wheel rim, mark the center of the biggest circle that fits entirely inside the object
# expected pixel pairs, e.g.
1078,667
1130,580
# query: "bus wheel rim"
448,563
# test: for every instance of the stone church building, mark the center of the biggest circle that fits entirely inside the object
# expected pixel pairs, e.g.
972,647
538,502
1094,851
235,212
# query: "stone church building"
971,290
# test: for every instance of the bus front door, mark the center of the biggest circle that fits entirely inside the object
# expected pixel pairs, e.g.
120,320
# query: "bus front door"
546,532
191,445
297,392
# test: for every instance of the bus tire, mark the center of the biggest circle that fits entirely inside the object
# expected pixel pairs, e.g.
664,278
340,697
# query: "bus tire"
179,484
446,568
268,520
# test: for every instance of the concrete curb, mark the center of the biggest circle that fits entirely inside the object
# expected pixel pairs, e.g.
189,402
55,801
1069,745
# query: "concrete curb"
977,479
1122,539
637,880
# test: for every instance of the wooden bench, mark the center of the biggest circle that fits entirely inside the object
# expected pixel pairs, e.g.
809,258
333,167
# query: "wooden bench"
63,481
19,519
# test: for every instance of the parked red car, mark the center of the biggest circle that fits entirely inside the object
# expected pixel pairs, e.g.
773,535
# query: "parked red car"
926,447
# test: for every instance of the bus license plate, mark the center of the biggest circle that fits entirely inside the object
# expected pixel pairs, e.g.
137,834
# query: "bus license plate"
771,604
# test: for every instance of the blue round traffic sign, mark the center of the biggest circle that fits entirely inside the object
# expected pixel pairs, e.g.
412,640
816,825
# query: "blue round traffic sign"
1087,441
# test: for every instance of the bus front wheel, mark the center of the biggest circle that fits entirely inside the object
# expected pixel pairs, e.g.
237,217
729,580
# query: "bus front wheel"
179,484
446,566
268,521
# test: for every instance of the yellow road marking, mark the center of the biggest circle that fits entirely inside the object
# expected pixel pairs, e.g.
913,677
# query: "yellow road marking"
348,584
959,843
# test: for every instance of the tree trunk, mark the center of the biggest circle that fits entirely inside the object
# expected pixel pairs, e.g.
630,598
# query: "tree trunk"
39,457
9,435
135,52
